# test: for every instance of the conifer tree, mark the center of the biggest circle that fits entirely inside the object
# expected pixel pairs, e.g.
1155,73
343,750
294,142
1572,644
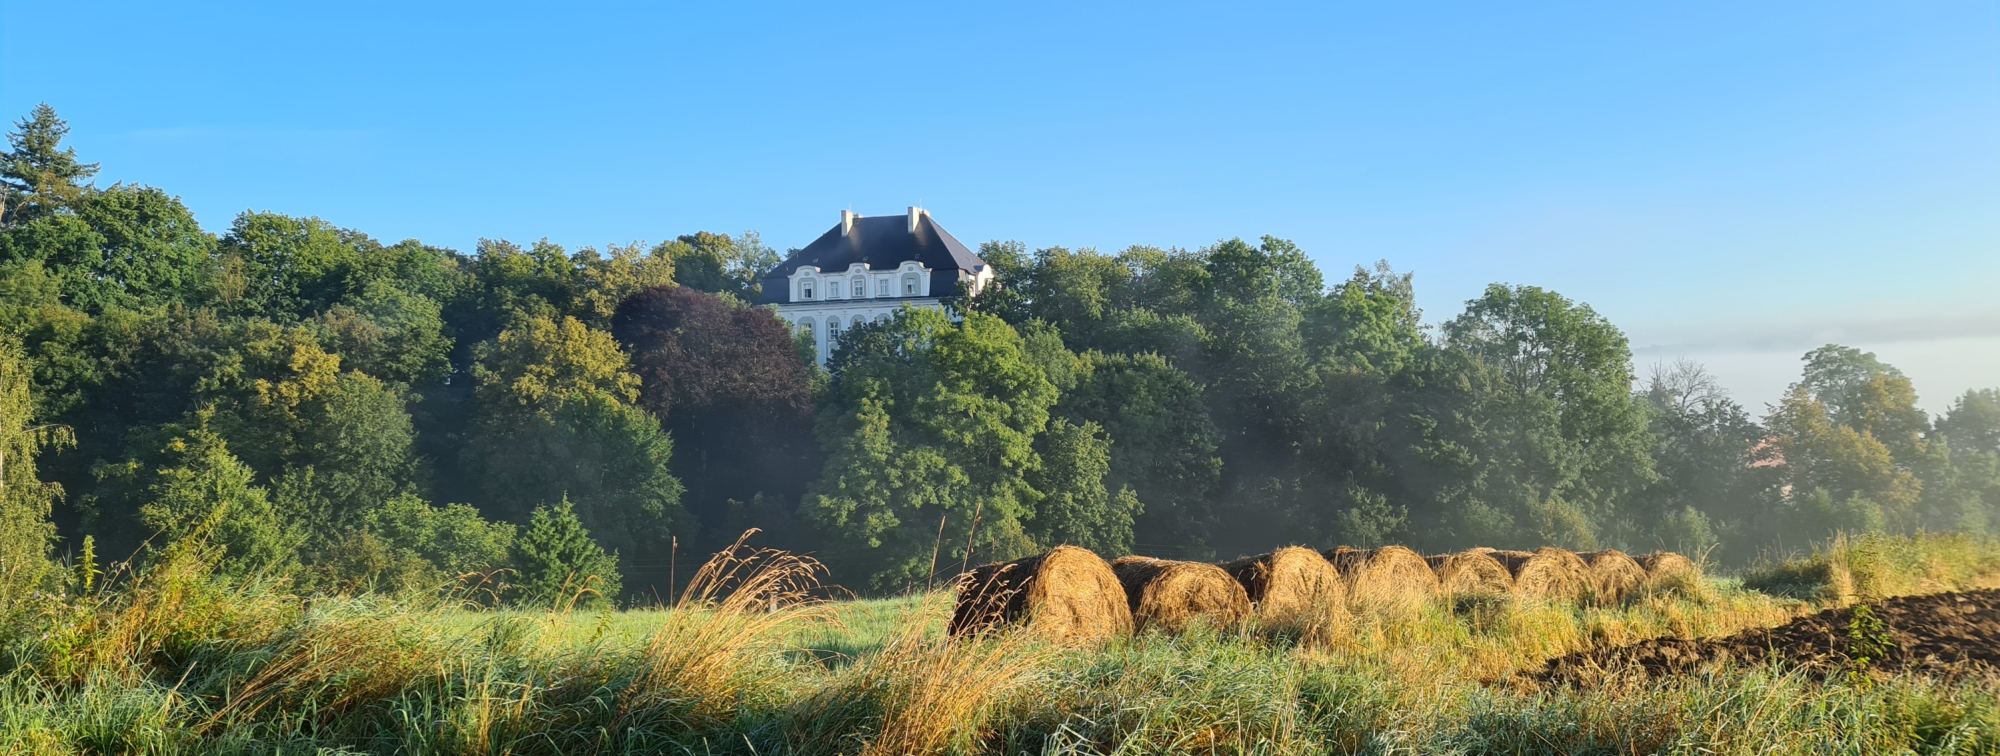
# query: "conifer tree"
38,173
558,561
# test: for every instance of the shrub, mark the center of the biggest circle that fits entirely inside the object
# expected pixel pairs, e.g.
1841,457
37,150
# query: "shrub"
560,564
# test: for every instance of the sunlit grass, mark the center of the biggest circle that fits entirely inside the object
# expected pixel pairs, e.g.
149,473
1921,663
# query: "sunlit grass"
169,664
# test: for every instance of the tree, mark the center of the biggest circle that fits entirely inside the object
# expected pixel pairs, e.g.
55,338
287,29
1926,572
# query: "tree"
1075,289
199,492
1369,323
284,401
603,281
1076,508
556,419
289,268
389,333
26,531
1702,443
1164,446
37,174
729,384
930,428
1836,376
559,563
541,361
1275,267
152,250
1476,461
1564,362
1885,406
1840,478
408,544
1973,422
1961,473
718,264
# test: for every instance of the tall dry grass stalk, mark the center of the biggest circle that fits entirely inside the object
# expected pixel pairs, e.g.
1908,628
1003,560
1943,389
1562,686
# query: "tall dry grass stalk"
335,664
725,638
136,620
922,692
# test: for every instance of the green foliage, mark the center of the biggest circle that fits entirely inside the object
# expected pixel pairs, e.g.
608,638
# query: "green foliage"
719,264
26,501
558,422
559,564
1561,377
1076,508
200,493
1163,444
410,545
38,174
151,250
388,333
1840,478
284,268
1973,422
930,427
611,459
542,361
1369,322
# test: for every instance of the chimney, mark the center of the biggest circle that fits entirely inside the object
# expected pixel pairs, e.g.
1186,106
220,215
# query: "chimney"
915,214
846,222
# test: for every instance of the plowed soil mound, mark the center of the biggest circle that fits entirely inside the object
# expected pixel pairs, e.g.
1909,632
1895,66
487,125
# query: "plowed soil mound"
1946,633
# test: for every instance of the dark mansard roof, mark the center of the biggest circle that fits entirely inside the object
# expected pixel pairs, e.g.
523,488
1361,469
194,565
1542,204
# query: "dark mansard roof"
883,242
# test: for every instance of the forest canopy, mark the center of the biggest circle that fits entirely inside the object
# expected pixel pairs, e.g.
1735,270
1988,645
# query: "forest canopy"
354,415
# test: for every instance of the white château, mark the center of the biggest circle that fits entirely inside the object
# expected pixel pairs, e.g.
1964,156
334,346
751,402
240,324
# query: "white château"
864,268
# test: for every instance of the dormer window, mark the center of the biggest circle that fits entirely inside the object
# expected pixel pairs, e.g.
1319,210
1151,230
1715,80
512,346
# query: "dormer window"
910,285
833,290
860,287
806,290
882,288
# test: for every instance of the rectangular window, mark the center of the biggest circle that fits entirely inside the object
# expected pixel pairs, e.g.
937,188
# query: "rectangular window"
806,290
882,288
910,286
833,290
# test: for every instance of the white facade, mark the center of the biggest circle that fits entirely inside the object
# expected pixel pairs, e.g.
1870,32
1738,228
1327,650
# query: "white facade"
828,303
825,303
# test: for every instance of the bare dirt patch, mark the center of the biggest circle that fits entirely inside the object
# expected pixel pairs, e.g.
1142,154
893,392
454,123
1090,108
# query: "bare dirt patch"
1943,633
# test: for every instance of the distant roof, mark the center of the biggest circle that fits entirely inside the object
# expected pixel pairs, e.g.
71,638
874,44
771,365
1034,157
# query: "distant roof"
883,242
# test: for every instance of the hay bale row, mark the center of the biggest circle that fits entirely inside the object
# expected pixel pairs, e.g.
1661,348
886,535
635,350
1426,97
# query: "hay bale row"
1668,571
1549,574
1613,575
1473,572
1293,588
1067,595
1391,578
1174,596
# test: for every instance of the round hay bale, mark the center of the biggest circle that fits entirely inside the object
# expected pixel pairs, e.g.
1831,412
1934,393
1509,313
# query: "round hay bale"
1613,574
1291,588
1546,573
1390,577
1173,596
1668,571
1472,572
1067,595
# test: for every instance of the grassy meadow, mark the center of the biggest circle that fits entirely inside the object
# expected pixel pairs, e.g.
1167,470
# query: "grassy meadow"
176,661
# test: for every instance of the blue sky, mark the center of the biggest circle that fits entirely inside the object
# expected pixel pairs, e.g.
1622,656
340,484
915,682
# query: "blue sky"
1731,182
